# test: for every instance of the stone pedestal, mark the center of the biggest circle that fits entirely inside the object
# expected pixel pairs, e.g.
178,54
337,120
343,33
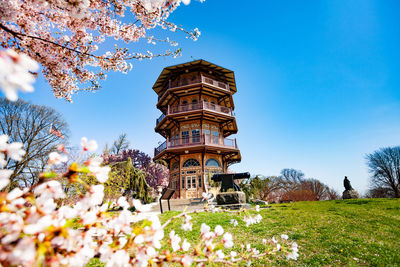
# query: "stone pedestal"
350,194
225,198
232,200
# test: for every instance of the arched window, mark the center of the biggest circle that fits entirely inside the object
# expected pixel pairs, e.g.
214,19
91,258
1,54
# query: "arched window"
212,163
191,163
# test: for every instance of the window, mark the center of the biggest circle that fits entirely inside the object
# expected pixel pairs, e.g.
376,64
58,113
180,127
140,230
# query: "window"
191,163
196,136
212,163
194,103
212,106
183,182
194,181
206,136
199,184
215,137
185,137
189,184
184,81
184,105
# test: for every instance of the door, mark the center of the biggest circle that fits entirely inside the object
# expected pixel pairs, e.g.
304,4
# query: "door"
191,188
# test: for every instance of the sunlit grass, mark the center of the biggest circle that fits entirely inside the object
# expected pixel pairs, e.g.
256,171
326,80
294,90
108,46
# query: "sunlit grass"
329,233
341,232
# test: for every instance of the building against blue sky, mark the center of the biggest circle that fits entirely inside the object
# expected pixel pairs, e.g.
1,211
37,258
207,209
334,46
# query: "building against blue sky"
318,84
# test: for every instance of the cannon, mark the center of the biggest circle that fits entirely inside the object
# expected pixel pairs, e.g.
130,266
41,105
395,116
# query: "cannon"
227,180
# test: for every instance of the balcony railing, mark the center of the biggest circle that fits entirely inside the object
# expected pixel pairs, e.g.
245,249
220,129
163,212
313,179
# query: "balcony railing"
195,140
195,106
201,79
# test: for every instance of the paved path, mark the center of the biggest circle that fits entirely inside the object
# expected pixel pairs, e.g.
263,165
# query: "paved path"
176,205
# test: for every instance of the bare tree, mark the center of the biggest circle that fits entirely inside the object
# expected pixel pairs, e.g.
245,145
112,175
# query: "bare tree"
318,188
332,194
384,166
120,144
379,192
30,125
291,179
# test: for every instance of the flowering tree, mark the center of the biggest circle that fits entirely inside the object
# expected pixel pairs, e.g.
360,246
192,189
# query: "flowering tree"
64,37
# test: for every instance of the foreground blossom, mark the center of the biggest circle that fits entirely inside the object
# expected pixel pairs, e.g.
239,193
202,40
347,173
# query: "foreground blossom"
36,230
16,73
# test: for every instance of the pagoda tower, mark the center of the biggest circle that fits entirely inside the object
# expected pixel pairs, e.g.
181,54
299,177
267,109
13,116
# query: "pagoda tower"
196,102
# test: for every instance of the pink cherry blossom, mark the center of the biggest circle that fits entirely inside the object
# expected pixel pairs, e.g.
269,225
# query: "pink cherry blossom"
75,59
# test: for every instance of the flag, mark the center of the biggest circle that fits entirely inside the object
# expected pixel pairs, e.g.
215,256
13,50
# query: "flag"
54,131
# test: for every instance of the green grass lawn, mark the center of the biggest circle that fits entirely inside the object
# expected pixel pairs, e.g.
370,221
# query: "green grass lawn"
329,233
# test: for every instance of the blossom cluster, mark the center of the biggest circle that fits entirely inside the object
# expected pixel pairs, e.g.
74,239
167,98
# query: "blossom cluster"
65,38
37,230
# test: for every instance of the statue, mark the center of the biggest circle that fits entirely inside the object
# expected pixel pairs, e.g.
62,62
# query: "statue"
347,184
349,192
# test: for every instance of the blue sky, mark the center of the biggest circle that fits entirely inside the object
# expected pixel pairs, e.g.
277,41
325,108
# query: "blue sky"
318,84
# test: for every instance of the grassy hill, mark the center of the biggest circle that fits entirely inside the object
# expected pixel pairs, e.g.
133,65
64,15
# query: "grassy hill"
340,232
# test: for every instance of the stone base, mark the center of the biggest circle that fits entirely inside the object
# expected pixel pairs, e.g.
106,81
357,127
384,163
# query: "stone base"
234,206
228,198
350,194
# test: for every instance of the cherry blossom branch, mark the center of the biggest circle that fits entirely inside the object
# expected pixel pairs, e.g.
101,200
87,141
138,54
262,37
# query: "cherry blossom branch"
18,34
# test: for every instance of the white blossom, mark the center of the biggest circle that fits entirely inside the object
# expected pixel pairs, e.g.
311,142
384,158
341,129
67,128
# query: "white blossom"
24,253
218,230
5,178
220,254
227,240
187,260
56,158
175,240
185,245
15,73
139,239
88,145
15,193
204,228
15,151
122,202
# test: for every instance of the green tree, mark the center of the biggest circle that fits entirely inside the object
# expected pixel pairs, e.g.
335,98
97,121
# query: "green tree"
127,180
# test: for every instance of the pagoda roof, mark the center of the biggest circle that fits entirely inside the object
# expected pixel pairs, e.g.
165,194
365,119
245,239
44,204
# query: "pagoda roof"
228,75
